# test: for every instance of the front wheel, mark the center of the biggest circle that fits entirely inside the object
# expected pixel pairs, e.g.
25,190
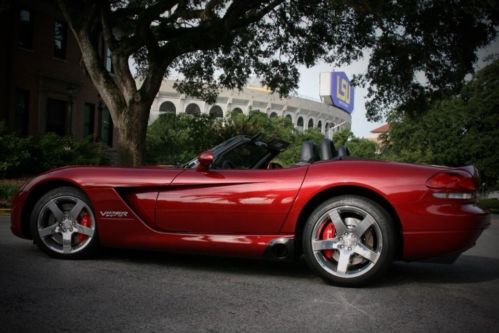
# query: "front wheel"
349,240
63,224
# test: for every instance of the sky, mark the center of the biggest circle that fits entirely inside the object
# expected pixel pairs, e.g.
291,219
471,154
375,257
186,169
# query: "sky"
308,86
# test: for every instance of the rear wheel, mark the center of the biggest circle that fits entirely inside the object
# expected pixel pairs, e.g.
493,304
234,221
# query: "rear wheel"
349,240
63,224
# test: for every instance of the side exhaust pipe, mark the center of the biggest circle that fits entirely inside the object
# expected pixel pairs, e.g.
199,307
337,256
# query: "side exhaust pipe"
280,249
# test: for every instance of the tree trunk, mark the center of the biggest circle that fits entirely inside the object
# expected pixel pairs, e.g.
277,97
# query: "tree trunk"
131,127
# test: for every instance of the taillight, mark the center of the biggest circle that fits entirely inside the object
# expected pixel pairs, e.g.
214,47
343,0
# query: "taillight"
453,195
452,185
452,181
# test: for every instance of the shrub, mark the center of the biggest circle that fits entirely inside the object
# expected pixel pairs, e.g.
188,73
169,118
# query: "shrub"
24,156
7,191
176,139
15,154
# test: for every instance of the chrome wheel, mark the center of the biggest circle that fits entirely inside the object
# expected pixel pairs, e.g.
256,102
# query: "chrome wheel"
347,241
66,224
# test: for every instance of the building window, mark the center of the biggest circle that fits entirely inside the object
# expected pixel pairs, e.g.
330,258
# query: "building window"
289,119
106,132
88,119
216,112
310,123
22,111
60,39
25,37
237,111
319,125
273,115
167,107
299,123
108,60
56,116
193,109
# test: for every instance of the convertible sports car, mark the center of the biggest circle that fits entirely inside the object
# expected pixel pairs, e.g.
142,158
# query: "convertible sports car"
349,218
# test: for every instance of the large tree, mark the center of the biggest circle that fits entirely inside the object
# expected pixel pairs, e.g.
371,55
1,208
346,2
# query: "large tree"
458,130
220,43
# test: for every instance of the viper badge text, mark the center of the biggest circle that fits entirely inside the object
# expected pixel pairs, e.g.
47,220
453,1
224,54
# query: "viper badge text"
113,213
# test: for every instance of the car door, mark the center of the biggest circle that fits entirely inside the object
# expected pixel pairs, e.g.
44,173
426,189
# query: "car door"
228,201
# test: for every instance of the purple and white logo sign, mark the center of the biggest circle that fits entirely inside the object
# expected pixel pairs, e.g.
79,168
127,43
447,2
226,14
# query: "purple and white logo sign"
342,92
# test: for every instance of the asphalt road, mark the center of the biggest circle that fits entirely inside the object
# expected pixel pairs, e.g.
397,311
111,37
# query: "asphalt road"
158,292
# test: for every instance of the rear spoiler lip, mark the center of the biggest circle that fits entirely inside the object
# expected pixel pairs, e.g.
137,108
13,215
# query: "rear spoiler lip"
471,169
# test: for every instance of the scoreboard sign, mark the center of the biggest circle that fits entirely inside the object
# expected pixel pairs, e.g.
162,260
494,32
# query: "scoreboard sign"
342,92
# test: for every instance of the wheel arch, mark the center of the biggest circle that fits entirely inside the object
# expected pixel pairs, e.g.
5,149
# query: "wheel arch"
35,194
332,192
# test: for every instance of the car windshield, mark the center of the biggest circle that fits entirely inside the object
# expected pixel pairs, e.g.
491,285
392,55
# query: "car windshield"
245,156
243,152
220,147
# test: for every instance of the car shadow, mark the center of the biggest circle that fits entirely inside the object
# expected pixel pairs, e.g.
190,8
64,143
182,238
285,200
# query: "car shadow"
467,269
230,265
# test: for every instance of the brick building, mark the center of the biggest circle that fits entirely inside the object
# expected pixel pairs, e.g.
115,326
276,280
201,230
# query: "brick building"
43,85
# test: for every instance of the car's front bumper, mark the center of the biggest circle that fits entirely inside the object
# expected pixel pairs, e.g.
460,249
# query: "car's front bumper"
16,215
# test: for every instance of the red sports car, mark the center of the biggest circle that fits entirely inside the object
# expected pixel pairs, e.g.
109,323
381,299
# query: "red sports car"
349,218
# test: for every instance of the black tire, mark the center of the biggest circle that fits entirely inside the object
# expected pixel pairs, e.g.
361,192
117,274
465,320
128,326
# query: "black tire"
63,224
356,254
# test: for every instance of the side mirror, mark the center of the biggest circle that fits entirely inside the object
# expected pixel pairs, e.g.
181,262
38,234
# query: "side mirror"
204,161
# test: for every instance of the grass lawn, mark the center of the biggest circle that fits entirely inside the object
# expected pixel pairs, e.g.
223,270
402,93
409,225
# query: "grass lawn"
9,188
490,204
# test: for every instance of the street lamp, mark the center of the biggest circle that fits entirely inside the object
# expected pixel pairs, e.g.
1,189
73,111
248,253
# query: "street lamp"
330,130
340,124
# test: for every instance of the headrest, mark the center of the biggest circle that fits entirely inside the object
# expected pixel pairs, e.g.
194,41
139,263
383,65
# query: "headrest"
327,150
343,151
308,152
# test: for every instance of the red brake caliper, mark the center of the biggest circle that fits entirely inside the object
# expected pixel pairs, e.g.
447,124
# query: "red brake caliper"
84,220
327,233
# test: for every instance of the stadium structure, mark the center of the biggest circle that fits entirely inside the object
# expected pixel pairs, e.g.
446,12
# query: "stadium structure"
331,113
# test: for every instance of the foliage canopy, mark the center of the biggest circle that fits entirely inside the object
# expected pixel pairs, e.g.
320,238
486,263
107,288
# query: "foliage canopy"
359,147
176,139
455,131
220,43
